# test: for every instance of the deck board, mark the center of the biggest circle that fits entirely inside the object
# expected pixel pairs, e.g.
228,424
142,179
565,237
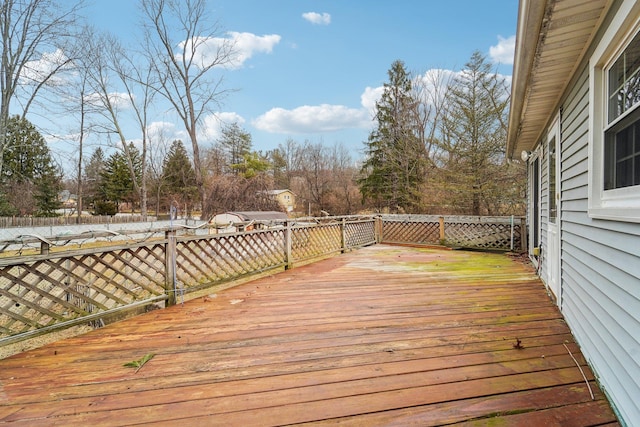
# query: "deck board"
383,335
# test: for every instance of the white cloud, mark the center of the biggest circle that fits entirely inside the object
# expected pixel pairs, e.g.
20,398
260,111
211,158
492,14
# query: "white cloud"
208,131
437,78
118,100
317,18
36,71
328,118
432,85
227,118
434,82
503,52
210,50
507,79
312,119
369,97
212,124
247,44
161,131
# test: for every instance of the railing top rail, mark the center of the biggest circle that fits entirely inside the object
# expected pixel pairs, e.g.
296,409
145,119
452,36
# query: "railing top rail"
453,218
98,233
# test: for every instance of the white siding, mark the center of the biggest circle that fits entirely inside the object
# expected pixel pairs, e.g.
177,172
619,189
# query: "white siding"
600,269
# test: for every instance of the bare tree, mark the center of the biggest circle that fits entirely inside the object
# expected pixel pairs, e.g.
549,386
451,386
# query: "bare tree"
345,190
35,34
288,159
474,130
83,112
237,193
118,85
79,105
431,91
316,171
214,162
137,79
159,144
184,47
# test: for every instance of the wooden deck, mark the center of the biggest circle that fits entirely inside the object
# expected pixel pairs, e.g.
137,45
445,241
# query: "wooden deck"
382,336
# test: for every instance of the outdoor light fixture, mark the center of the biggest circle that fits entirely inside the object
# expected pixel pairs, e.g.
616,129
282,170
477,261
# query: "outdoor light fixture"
525,155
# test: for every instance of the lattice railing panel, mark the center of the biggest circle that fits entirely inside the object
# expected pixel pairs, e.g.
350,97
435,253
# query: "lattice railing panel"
492,233
359,234
482,235
44,291
314,241
224,257
423,232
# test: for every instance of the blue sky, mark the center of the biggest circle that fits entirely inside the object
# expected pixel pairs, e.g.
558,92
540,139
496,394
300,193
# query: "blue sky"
313,68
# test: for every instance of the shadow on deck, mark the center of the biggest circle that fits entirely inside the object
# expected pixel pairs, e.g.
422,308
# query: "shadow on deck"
381,336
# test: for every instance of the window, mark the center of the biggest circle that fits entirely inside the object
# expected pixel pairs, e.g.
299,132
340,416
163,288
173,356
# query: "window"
614,119
622,134
553,206
534,202
622,153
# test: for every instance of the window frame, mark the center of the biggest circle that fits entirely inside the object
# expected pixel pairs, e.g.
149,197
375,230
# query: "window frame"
619,204
534,169
552,174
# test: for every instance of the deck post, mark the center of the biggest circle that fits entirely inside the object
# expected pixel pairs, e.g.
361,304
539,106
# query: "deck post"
170,266
378,228
442,235
288,262
343,235
524,235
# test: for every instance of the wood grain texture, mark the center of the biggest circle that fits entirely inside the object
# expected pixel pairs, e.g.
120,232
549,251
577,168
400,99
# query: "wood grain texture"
381,336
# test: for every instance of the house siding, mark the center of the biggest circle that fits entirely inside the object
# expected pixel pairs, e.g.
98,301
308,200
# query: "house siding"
600,268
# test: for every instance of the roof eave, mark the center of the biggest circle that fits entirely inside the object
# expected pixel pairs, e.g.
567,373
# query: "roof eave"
530,18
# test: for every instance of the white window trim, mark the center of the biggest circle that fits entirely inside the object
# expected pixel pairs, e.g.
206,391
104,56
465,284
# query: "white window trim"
535,155
621,204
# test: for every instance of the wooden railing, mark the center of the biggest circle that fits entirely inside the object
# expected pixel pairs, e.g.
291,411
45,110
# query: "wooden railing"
40,293
60,288
485,233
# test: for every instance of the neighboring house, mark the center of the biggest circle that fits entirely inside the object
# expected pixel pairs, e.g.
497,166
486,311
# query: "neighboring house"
244,221
286,198
68,199
575,117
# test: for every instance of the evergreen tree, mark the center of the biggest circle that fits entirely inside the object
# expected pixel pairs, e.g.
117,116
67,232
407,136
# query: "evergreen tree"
394,170
93,174
30,178
48,186
6,208
476,175
116,182
279,165
236,143
179,178
252,164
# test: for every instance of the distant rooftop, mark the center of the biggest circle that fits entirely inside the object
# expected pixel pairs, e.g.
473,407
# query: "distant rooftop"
260,215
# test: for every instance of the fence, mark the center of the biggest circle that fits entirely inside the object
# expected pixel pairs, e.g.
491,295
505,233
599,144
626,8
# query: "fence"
486,233
40,293
24,221
57,289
